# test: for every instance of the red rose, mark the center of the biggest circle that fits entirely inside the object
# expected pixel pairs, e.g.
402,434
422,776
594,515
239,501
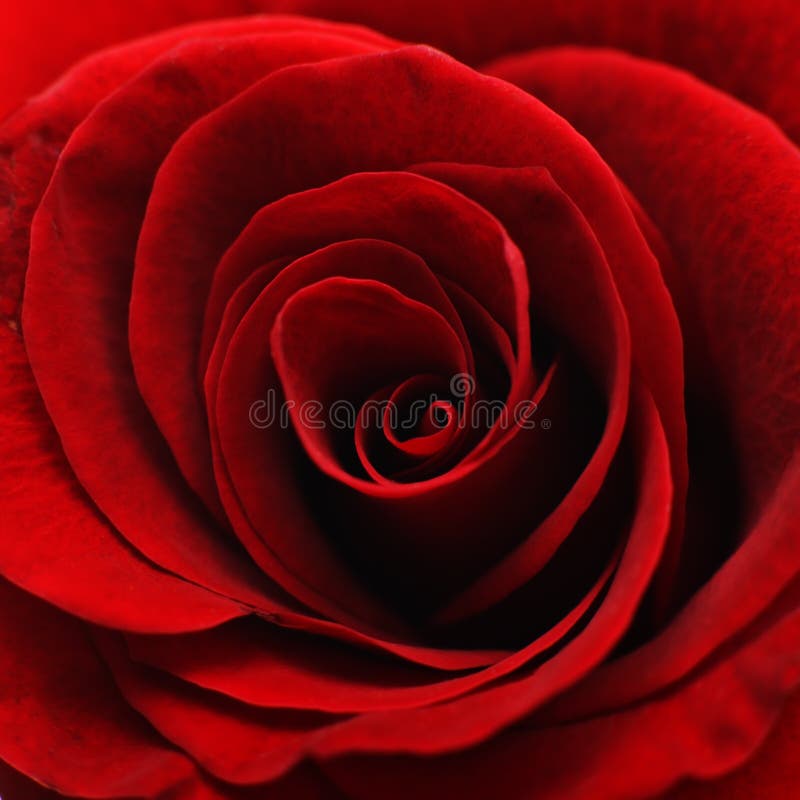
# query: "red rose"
367,430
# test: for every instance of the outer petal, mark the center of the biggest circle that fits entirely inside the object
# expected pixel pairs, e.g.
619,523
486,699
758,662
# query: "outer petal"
265,666
20,787
39,40
237,744
78,287
57,525
744,48
771,774
748,49
767,563
733,225
638,752
732,222
31,139
62,722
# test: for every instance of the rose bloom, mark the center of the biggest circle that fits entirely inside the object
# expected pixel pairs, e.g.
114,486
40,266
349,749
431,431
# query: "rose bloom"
235,236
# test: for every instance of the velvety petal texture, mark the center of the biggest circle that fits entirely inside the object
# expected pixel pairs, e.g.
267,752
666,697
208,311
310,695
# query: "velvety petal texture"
398,399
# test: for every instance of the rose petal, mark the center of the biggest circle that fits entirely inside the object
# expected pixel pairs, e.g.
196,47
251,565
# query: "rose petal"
343,338
766,563
62,721
32,138
272,668
259,492
107,581
274,500
478,716
733,227
234,743
640,751
731,222
261,154
770,774
573,291
753,54
78,289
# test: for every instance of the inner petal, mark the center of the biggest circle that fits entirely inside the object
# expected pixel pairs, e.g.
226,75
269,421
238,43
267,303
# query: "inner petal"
341,339
407,432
